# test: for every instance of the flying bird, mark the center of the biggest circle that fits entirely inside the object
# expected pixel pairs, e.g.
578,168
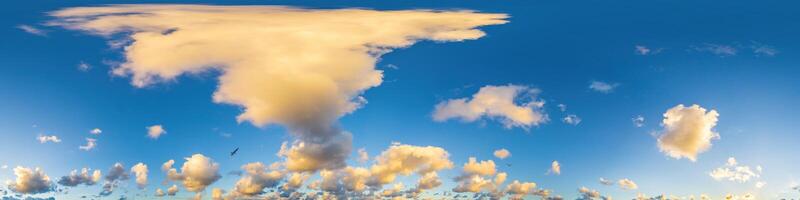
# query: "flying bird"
234,151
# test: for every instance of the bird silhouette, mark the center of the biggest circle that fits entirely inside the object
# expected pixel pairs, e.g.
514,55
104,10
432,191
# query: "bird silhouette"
234,151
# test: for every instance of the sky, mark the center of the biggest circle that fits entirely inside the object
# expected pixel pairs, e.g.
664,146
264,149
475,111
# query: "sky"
399,99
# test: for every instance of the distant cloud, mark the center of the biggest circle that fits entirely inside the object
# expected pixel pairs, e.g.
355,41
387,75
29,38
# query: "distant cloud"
716,49
96,131
627,184
732,171
48,138
113,178
644,50
196,173
687,131
155,131
363,156
638,121
603,87
32,30
140,171
605,181
257,177
589,194
90,144
83,66
572,120
562,107
555,168
84,177
763,50
496,102
172,190
30,181
502,153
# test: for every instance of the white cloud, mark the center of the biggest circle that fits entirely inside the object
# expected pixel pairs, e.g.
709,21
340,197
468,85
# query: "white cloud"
732,171
30,181
155,131
518,190
140,170
555,168
687,131
760,184
496,102
172,190
502,153
83,66
638,121
90,144
763,50
96,131
160,192
301,68
627,184
603,87
32,30
572,119
196,173
605,181
644,50
256,178
84,177
562,107
476,177
48,138
716,49
401,159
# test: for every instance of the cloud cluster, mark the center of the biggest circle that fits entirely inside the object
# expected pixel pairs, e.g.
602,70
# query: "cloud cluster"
687,131
84,177
48,138
301,68
732,171
496,102
256,178
30,181
196,173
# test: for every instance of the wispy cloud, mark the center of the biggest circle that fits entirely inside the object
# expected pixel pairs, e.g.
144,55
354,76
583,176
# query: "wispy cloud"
32,30
48,138
603,87
762,49
644,50
716,49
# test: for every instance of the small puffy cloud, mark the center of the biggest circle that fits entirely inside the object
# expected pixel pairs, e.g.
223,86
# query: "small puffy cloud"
496,102
30,181
155,131
716,49
256,178
84,177
732,171
90,144
401,159
644,50
32,30
638,121
114,176
48,138
196,173
363,156
502,153
562,107
572,119
217,194
160,192
172,190
555,167
627,184
760,184
140,171
83,66
603,87
605,181
687,131
96,131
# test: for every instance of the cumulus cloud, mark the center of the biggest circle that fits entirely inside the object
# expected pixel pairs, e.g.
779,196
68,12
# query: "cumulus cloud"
477,176
256,178
687,131
84,177
555,168
32,30
301,68
502,153
217,194
172,190
572,119
496,102
83,66
90,144
95,131
401,159
196,173
160,192
518,190
113,178
603,87
732,171
627,184
48,138
716,49
30,181
155,131
140,171
589,194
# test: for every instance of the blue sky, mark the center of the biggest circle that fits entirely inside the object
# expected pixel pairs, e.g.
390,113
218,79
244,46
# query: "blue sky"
738,58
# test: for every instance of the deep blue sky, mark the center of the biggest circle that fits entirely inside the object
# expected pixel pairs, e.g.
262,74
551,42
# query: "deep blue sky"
559,47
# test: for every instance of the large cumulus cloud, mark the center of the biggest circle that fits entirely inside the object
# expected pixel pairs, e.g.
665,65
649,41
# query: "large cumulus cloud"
30,181
687,131
301,68
196,173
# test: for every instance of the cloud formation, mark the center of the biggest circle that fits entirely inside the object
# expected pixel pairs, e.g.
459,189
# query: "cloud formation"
32,30
627,184
95,131
113,178
155,131
84,177
732,171
140,171
496,102
603,87
572,120
48,138
196,173
30,181
301,68
502,153
687,131
555,168
90,144
716,49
